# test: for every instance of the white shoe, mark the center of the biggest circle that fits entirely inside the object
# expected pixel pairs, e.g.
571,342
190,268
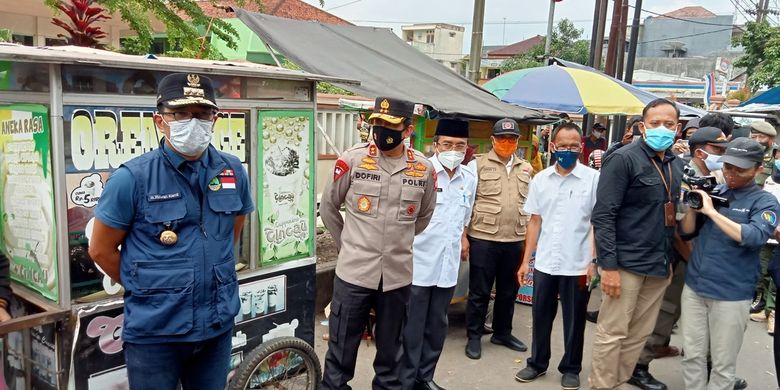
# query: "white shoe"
759,317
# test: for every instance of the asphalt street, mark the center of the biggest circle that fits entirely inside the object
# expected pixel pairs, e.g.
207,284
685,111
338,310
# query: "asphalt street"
496,369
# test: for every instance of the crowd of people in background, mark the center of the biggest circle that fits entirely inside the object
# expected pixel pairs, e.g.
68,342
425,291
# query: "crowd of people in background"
674,222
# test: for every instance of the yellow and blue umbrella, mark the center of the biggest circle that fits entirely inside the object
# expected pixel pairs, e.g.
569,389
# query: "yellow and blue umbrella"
572,90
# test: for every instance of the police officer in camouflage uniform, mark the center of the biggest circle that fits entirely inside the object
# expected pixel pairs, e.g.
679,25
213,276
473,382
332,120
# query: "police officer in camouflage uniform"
388,191
765,134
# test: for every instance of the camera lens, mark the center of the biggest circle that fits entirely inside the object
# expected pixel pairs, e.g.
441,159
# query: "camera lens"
694,200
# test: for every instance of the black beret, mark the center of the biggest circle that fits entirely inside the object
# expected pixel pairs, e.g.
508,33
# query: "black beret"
453,128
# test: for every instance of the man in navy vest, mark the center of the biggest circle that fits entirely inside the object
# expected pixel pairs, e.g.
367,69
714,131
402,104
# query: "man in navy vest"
165,228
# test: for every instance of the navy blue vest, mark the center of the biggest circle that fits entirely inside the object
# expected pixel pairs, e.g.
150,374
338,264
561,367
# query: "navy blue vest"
186,291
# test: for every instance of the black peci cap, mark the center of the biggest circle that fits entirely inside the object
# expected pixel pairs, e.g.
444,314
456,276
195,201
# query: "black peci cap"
452,128
506,126
743,152
186,89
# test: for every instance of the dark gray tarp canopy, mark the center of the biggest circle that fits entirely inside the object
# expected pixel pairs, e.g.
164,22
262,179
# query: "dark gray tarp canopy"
382,62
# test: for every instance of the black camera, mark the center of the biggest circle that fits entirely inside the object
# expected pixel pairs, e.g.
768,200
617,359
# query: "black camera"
704,183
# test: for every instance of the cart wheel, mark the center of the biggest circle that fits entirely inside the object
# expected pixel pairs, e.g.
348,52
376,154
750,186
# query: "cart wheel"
287,363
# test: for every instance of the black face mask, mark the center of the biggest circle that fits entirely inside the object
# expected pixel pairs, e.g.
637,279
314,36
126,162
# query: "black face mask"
386,138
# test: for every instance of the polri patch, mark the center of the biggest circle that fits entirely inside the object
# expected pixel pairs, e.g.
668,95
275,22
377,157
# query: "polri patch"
340,170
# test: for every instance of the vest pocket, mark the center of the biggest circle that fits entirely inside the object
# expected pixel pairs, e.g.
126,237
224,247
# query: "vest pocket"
225,207
161,212
522,222
489,183
523,181
410,203
486,218
161,304
227,302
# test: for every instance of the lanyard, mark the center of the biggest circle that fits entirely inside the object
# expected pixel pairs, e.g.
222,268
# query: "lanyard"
663,179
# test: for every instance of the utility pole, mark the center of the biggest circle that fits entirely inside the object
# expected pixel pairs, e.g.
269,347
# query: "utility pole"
761,9
621,48
614,38
593,32
475,57
603,4
629,76
548,41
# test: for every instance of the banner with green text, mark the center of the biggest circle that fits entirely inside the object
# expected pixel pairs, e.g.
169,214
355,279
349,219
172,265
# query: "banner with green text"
27,206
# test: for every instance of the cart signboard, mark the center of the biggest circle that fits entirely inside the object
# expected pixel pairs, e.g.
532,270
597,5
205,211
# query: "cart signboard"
27,208
286,207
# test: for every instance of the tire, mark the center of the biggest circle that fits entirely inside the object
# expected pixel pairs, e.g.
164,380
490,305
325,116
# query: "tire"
297,364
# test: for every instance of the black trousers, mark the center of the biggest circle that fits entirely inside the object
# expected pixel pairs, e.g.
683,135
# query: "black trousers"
425,332
774,271
574,295
491,261
349,311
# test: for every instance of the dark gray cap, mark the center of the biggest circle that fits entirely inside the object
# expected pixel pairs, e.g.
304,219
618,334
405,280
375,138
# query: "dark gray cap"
743,153
708,135
506,126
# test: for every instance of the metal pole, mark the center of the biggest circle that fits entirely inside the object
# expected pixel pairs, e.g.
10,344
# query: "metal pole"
609,67
603,4
593,33
550,21
629,77
476,40
621,48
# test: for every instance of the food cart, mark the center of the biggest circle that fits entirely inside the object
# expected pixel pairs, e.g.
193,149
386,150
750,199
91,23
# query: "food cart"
70,116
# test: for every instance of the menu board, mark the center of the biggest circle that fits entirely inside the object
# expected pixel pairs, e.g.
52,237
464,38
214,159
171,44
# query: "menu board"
286,208
27,207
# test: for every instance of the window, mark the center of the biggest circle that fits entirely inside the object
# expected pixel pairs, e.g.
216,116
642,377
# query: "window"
55,42
21,76
429,36
26,40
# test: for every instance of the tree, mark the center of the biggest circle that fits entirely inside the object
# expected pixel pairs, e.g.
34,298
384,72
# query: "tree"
566,44
81,29
761,58
187,27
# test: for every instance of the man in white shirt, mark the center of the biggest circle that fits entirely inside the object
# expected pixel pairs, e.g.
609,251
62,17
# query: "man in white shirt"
437,252
560,201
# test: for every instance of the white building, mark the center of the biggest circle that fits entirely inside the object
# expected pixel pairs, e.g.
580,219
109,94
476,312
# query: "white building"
440,41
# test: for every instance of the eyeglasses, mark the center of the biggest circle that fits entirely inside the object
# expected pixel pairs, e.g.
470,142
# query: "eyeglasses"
447,146
575,149
187,115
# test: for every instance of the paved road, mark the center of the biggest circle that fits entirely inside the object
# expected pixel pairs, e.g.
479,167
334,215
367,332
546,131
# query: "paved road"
496,369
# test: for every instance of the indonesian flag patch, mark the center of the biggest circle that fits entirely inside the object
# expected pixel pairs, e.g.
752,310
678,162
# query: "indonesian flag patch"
228,182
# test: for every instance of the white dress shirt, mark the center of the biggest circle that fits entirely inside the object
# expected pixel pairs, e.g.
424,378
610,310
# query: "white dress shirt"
436,250
565,204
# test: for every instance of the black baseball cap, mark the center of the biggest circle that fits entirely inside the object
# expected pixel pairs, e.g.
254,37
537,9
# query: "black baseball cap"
599,126
185,89
452,128
392,110
708,135
692,124
743,152
506,126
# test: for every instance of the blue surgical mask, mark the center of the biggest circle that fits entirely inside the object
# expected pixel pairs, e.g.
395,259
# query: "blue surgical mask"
566,158
777,164
659,138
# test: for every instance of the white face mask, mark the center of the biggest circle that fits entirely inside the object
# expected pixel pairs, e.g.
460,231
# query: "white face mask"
451,159
190,137
712,162
597,134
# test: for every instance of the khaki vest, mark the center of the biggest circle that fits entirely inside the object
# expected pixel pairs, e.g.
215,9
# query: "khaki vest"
498,208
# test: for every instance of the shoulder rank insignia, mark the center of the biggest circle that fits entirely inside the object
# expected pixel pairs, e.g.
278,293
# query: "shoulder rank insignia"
410,155
340,170
372,150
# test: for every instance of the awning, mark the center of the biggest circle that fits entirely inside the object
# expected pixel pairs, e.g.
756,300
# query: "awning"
384,64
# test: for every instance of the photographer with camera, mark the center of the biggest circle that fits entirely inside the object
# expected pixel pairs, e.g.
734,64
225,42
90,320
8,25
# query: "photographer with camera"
723,269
